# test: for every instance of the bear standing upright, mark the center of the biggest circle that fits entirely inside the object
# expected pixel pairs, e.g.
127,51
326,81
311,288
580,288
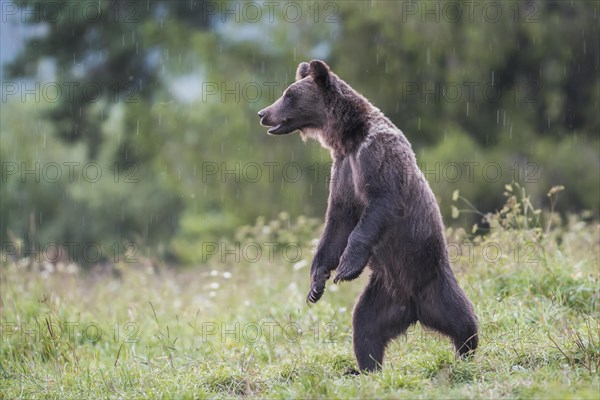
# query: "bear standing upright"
381,212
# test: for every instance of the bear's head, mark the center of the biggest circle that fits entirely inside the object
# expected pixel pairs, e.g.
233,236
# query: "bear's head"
302,105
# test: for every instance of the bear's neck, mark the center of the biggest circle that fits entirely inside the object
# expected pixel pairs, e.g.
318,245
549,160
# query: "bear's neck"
347,122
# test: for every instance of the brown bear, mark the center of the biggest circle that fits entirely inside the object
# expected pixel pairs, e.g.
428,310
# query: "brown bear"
381,213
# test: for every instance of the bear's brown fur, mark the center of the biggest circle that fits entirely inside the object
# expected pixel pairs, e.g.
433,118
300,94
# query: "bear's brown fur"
381,213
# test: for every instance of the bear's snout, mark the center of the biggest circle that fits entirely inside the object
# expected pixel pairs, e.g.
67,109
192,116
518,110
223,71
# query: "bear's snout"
265,117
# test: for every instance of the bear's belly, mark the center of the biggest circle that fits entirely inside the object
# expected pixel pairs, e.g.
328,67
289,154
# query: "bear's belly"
403,261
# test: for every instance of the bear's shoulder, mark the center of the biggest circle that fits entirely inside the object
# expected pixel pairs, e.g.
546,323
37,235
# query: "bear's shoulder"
381,133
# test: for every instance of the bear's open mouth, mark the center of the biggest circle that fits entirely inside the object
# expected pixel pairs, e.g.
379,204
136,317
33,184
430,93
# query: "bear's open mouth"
274,129
279,128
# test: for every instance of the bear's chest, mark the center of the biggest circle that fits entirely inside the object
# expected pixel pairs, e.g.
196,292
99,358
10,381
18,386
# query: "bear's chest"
357,182
347,184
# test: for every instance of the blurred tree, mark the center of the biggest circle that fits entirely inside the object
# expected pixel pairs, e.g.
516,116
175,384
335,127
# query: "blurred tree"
510,76
431,66
101,55
178,108
104,64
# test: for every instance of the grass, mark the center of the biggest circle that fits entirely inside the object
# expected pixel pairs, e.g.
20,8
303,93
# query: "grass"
242,329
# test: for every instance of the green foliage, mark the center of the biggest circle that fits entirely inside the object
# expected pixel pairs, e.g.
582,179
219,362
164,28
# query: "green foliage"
534,242
66,198
525,45
105,48
199,235
527,104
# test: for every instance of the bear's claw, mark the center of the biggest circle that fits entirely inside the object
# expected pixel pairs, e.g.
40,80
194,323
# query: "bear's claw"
346,274
315,294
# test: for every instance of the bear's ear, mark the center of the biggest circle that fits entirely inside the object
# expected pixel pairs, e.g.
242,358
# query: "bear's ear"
302,71
320,72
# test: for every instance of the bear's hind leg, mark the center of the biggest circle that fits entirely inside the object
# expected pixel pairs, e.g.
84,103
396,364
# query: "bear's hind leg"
377,319
443,306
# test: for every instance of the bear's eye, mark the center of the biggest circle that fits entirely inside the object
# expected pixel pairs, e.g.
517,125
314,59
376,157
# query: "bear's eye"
289,95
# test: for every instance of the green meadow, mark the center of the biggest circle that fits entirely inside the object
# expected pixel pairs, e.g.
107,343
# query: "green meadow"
237,326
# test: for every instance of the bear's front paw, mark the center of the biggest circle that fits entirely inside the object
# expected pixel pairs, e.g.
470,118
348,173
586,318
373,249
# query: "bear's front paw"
345,272
315,293
317,286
